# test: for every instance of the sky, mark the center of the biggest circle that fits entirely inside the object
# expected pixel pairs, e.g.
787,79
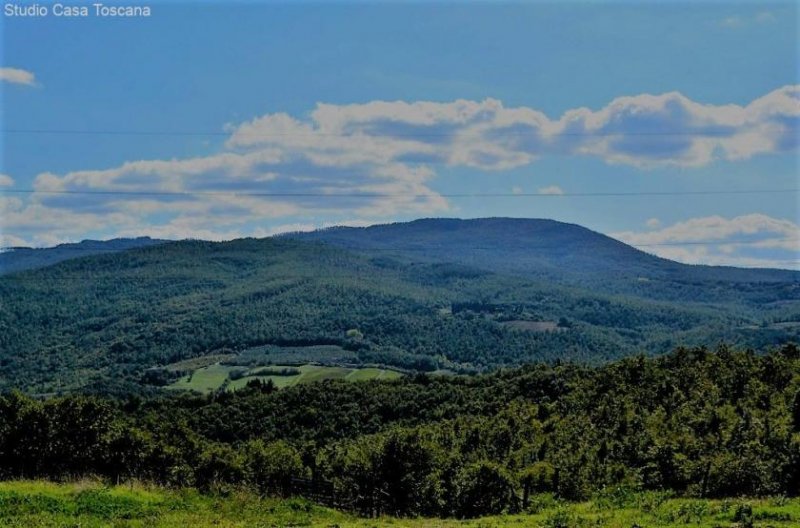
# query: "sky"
672,126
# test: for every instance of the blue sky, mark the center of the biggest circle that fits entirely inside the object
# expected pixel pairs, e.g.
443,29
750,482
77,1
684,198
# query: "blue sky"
215,107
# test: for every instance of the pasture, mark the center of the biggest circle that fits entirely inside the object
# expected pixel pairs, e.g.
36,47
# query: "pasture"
218,375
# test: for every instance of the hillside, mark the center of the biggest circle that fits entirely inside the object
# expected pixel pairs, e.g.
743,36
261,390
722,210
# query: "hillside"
25,258
539,248
536,246
104,322
692,425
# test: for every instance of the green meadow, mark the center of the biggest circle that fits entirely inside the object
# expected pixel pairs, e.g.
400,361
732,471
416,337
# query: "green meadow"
217,375
89,504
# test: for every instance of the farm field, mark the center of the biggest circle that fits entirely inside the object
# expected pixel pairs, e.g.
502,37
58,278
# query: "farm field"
214,376
533,326
91,504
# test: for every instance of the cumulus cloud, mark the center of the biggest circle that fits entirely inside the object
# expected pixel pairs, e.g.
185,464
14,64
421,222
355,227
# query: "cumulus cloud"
765,17
303,227
6,180
672,130
378,160
739,21
643,130
17,76
732,22
551,189
653,223
753,240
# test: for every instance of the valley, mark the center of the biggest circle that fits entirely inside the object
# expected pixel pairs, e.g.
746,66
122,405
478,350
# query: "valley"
107,321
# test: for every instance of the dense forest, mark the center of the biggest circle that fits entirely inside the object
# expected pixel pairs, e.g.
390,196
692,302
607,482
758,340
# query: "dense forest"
553,251
102,323
694,422
512,368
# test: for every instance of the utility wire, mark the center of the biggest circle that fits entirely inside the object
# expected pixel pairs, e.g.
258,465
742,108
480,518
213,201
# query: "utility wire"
394,195
355,134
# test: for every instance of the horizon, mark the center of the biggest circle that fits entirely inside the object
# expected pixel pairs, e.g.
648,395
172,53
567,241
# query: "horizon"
400,262
643,248
663,127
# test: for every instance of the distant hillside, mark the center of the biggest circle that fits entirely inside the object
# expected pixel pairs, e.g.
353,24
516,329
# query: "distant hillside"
24,258
529,247
106,320
555,251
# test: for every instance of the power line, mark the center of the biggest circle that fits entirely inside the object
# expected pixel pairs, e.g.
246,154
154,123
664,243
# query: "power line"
356,134
395,195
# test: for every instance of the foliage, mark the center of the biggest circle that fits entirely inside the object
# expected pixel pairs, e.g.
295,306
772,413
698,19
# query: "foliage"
629,434
120,322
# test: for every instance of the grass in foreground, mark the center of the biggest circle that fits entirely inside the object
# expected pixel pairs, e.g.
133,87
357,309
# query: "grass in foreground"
91,504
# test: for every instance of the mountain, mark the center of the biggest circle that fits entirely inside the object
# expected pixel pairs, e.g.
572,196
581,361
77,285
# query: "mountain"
405,295
25,258
533,247
500,244
555,251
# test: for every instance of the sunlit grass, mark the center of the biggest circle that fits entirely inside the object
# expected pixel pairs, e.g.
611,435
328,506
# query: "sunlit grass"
213,377
90,503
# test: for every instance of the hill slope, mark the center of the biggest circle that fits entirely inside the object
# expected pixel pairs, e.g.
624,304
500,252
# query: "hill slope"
106,319
535,248
529,245
23,258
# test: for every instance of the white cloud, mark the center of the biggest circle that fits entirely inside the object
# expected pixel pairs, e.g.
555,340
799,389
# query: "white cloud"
753,240
378,159
6,180
516,190
644,130
551,189
765,17
672,130
653,223
311,226
17,76
10,241
717,228
719,257
39,225
739,21
732,22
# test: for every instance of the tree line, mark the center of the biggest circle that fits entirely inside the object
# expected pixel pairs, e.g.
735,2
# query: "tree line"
695,422
107,320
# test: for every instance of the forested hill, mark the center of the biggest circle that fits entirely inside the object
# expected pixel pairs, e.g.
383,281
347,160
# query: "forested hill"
105,321
692,423
531,247
24,258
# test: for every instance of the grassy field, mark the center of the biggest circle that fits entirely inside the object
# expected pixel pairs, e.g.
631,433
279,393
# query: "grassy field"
214,376
90,504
